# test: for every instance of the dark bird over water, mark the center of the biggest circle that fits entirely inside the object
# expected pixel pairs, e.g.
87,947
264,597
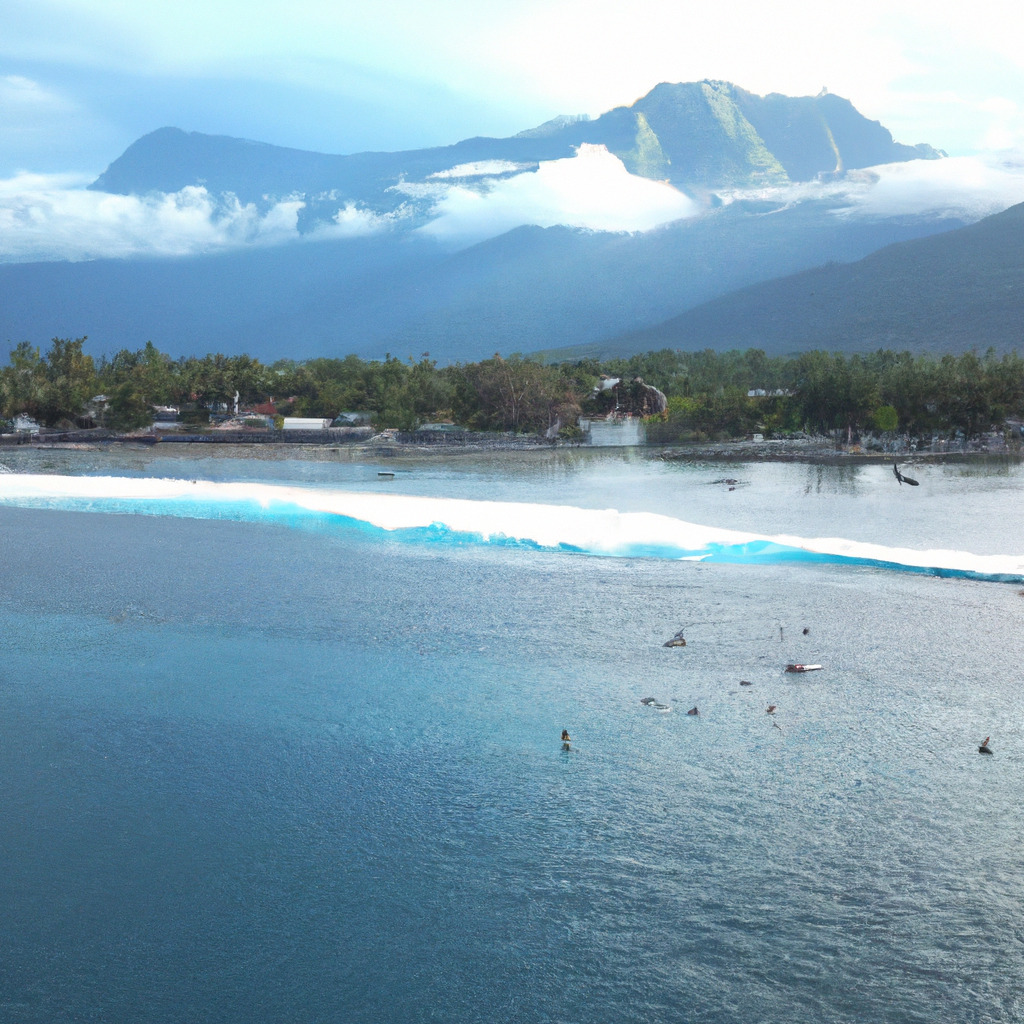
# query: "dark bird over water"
903,479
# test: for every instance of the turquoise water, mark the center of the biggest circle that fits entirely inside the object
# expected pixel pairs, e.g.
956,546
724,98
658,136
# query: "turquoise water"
286,771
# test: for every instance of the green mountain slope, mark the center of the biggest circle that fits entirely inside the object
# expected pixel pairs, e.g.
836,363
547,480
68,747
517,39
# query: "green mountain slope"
951,292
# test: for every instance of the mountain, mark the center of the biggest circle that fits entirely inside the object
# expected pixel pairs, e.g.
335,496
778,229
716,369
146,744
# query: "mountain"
529,289
947,293
397,289
697,135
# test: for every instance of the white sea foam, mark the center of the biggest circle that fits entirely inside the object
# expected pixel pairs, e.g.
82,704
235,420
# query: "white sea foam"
555,527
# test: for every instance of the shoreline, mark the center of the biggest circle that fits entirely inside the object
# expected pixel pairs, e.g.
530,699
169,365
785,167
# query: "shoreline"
393,444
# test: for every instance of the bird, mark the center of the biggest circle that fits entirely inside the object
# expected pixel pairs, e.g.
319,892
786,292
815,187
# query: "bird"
903,479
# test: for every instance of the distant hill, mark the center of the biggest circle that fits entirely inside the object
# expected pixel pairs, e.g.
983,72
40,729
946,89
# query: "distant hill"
947,293
529,289
698,135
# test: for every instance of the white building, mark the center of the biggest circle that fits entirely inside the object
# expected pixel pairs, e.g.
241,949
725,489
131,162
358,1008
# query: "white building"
305,423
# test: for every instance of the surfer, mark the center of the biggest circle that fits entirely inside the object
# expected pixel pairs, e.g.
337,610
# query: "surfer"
983,749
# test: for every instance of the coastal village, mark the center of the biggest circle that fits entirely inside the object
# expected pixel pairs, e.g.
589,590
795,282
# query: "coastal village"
685,403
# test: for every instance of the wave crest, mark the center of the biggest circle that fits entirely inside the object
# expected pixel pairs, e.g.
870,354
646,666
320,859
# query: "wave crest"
604,532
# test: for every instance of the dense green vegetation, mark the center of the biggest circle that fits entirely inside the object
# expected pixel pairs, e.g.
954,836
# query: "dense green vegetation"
707,392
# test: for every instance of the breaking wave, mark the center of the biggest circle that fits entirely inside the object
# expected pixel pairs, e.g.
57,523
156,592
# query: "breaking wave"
603,532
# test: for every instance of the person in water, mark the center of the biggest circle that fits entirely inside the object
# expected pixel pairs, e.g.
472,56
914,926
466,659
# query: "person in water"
565,736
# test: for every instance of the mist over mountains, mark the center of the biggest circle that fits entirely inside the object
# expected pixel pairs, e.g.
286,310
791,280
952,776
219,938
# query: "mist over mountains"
531,288
568,234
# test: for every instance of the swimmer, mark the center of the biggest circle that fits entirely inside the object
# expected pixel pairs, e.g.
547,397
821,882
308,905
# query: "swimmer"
771,708
983,749
693,711
565,736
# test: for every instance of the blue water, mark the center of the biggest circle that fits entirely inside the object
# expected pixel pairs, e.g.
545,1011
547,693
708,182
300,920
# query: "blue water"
260,773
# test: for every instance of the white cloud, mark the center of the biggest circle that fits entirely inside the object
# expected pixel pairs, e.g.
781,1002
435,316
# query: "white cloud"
479,168
46,217
967,188
18,91
42,219
52,217
591,190
352,221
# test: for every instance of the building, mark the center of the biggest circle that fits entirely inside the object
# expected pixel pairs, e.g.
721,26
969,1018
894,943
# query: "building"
305,423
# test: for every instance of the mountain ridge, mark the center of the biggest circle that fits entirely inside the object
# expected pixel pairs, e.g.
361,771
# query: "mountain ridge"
696,135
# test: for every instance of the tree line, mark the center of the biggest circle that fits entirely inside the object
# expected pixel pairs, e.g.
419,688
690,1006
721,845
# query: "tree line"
709,393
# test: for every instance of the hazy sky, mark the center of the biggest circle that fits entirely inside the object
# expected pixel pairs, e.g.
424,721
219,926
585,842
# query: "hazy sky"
80,79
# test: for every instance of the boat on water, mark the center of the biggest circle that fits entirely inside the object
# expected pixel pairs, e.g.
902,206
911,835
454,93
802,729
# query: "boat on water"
804,668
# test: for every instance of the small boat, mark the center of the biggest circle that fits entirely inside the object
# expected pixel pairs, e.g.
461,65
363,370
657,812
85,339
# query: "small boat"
804,668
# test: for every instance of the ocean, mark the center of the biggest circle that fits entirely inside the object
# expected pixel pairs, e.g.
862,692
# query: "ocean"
283,744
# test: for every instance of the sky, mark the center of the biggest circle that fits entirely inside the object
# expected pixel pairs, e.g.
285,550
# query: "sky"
81,79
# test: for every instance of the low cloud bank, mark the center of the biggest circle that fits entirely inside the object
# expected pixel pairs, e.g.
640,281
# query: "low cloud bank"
55,218
965,188
46,218
591,190
480,168
42,219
